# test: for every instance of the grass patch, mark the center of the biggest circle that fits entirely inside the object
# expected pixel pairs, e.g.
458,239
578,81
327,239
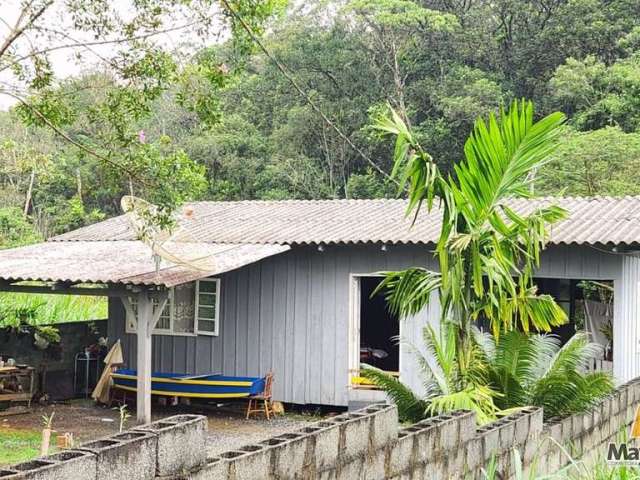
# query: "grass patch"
19,445
52,309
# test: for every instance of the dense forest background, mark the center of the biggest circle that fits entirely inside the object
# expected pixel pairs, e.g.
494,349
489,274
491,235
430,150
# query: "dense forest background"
243,131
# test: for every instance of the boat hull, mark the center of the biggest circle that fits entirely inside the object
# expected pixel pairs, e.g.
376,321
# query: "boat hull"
183,385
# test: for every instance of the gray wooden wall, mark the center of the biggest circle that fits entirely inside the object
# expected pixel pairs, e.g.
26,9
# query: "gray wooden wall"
290,313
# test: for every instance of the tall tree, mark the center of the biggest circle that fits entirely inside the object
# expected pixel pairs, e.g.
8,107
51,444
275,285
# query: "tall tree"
128,41
487,252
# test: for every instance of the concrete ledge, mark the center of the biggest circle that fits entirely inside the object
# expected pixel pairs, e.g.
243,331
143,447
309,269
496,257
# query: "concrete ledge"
67,465
130,454
173,434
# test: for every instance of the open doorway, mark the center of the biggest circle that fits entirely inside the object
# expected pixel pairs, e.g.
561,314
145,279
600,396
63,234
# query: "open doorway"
379,329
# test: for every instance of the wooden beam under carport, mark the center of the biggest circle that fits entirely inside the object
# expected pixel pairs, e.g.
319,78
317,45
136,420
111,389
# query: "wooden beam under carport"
146,319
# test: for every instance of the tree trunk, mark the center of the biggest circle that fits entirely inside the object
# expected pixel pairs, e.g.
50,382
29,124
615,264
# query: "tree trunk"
27,200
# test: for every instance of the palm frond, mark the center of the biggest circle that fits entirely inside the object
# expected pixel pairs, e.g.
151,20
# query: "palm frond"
477,398
411,164
499,155
591,388
562,388
409,291
411,407
434,378
486,343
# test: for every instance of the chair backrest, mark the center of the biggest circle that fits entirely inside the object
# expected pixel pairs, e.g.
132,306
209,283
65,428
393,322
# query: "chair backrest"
268,384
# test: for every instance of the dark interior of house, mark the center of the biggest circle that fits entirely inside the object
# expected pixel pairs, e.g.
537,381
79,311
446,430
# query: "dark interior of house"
379,329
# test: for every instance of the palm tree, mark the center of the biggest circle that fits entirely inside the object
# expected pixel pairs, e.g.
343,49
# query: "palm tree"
538,370
487,253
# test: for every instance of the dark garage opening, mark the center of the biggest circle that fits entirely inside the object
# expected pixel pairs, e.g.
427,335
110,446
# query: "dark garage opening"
379,329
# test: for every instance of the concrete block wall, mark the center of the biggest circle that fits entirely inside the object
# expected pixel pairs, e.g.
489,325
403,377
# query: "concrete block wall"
366,444
369,444
158,450
588,435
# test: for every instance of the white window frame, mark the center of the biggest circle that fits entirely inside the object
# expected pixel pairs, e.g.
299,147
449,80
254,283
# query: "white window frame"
216,320
130,326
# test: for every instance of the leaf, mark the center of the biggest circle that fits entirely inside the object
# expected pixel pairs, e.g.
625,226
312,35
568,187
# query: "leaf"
410,407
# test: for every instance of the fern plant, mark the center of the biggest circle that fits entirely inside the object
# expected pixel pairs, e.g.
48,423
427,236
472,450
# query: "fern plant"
446,386
538,370
512,371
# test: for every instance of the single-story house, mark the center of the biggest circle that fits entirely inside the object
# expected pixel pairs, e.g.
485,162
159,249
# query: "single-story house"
292,287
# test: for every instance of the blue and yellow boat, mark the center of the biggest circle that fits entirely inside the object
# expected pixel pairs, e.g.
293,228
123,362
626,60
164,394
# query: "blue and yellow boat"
184,385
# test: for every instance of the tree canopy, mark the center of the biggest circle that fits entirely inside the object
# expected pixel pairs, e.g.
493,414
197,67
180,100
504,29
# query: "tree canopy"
213,116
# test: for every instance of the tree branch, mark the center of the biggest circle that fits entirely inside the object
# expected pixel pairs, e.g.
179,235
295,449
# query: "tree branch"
86,45
66,137
19,29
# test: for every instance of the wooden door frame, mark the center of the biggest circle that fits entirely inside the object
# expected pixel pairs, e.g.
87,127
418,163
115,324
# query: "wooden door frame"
353,353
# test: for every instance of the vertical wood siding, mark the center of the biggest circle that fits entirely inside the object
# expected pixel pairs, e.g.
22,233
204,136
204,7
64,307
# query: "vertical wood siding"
290,313
626,320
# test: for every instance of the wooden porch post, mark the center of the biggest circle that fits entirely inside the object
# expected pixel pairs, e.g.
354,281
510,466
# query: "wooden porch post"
143,400
145,323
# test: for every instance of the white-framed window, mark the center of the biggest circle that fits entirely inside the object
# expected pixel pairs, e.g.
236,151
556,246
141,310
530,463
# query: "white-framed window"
207,309
191,309
165,322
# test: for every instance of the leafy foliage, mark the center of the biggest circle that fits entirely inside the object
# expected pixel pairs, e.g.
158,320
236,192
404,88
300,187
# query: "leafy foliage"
487,254
598,162
512,371
15,229
487,251
446,385
228,108
538,370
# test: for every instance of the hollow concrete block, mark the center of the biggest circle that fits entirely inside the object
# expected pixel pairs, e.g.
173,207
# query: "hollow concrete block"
355,429
215,468
326,436
130,454
384,424
173,434
252,464
290,455
67,465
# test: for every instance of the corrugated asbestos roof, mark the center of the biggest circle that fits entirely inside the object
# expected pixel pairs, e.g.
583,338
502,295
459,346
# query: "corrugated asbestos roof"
125,262
597,220
235,234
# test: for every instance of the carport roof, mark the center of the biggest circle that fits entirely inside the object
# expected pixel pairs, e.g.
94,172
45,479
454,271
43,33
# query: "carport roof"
127,262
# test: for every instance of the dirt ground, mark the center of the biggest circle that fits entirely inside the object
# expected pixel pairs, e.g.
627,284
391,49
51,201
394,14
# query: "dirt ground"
228,428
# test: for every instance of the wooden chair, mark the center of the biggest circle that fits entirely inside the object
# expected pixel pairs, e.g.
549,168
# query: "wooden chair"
264,397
